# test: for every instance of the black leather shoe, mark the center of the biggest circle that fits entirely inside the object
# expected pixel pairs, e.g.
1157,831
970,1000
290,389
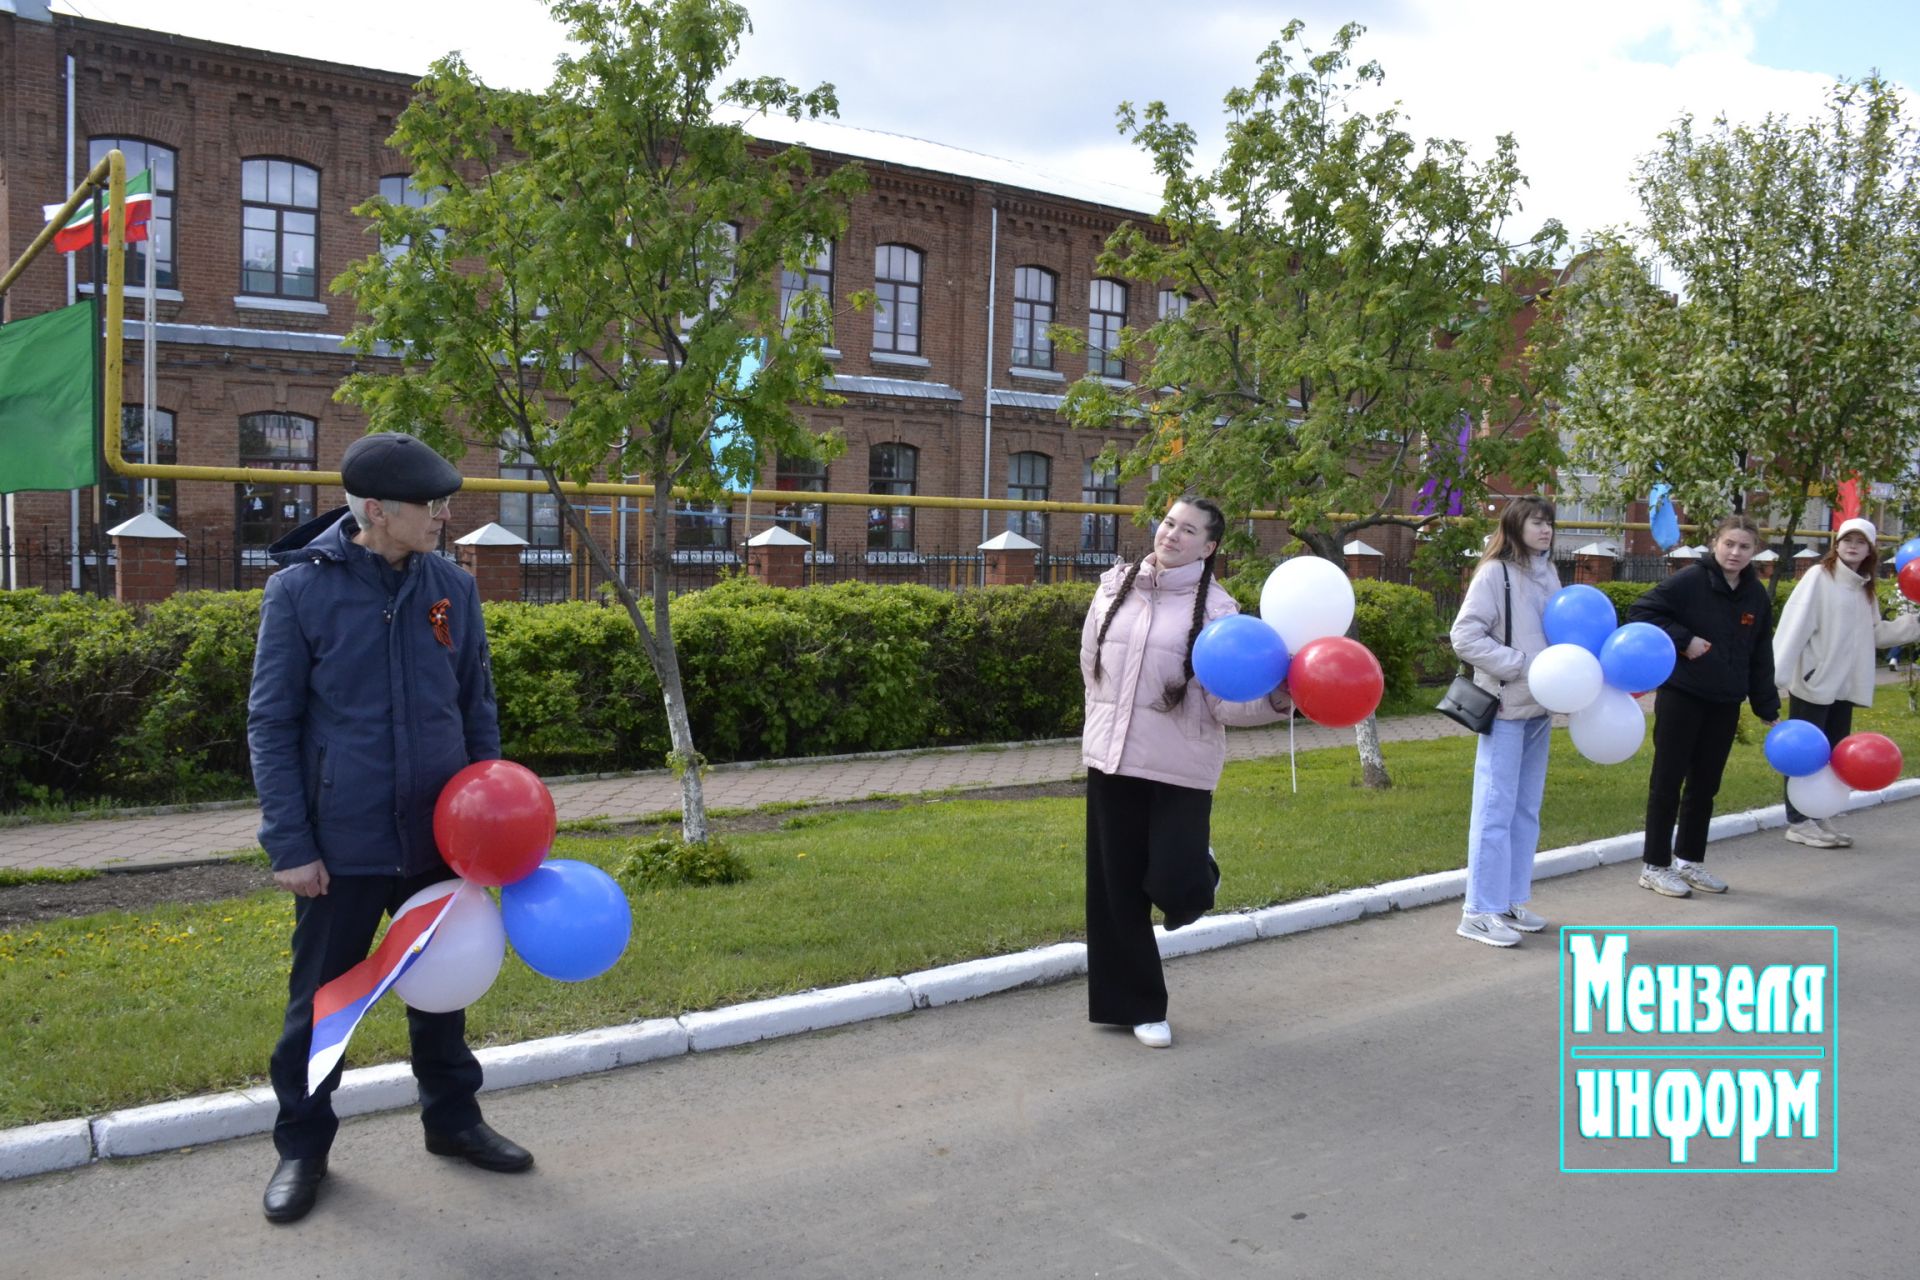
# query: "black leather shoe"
481,1146
293,1187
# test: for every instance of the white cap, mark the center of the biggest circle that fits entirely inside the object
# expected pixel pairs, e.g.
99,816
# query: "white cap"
1859,525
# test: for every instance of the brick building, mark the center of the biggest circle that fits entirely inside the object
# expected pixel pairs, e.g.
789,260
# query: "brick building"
259,159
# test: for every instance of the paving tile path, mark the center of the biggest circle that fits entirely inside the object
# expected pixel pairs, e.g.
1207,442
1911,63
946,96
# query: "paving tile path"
171,838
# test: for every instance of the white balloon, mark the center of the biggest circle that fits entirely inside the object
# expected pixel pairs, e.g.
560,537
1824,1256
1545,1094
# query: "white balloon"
1819,795
1307,598
1608,729
462,958
1565,678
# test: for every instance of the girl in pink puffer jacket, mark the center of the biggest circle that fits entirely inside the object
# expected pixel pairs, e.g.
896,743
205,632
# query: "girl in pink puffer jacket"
1154,744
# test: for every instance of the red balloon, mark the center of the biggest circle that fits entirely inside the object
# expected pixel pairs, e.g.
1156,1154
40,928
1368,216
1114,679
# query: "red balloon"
1336,681
494,822
1910,580
1866,761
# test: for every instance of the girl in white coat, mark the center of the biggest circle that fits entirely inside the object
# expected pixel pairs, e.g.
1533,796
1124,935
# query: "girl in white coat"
1500,630
1823,648
1154,745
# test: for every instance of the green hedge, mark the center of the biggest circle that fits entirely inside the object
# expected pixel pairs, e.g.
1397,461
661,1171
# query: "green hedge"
99,701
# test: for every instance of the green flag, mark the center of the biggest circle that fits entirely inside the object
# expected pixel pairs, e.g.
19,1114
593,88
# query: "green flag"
46,401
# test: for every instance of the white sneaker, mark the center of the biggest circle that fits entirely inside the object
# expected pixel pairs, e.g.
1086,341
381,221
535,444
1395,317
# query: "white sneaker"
1841,838
1154,1035
1518,917
1809,832
1663,880
1484,926
1698,877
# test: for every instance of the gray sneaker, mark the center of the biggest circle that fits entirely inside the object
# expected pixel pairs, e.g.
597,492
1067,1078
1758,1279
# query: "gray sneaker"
1840,838
1698,877
1518,917
1663,880
1484,926
1811,833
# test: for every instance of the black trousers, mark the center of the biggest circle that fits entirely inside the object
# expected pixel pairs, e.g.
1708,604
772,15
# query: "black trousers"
1834,719
1146,848
1691,741
331,934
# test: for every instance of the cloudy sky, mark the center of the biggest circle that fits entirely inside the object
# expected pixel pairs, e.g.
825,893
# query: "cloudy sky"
1584,85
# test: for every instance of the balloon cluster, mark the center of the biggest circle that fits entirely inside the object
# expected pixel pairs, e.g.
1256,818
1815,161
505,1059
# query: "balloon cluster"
494,823
1906,567
1821,780
1298,640
1592,667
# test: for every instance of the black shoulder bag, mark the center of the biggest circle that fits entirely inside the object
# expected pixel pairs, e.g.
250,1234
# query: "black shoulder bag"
1465,702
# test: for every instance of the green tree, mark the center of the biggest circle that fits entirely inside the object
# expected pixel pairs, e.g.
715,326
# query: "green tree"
1791,360
598,263
1353,306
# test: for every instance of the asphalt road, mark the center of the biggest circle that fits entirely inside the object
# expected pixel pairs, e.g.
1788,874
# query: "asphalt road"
1378,1099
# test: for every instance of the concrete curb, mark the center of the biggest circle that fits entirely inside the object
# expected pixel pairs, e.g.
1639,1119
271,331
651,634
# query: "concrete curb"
68,1144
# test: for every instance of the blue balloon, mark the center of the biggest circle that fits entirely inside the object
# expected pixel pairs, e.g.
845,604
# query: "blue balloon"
1580,615
568,920
1637,657
1239,658
1909,550
1797,748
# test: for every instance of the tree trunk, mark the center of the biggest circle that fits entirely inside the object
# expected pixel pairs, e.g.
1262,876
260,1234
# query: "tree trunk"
1373,765
657,643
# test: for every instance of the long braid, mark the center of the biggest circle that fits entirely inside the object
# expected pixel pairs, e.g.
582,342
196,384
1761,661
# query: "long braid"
1100,639
1176,691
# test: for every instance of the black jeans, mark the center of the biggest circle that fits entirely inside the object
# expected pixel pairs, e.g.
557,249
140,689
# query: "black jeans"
1834,719
1146,848
1691,740
331,934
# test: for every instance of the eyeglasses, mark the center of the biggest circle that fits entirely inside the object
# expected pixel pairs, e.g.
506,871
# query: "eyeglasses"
438,507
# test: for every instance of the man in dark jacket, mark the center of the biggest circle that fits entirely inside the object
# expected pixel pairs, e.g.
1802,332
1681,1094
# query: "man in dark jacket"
1720,620
371,688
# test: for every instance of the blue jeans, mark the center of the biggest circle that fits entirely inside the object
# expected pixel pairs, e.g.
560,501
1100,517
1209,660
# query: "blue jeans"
1509,777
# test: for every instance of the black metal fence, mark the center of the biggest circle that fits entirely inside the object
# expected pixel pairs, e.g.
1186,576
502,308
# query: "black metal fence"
48,558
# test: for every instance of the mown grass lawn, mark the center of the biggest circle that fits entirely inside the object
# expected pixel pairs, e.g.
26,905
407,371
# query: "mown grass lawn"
115,1010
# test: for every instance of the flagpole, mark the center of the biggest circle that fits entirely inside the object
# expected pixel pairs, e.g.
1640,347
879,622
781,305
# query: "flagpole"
99,394
148,364
73,289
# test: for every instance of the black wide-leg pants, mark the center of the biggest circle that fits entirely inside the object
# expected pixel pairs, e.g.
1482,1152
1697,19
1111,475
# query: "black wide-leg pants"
1691,741
1146,848
1834,719
331,934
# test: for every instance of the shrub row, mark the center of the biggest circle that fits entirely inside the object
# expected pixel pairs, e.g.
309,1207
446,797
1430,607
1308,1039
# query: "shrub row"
99,701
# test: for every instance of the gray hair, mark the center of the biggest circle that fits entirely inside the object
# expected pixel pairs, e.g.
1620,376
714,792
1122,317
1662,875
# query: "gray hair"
358,506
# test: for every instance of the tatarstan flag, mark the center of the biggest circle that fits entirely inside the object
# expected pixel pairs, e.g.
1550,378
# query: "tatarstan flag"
77,232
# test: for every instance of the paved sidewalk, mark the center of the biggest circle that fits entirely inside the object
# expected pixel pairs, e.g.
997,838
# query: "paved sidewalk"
169,839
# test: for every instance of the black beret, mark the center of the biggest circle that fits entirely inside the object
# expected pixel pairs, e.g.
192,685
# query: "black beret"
396,467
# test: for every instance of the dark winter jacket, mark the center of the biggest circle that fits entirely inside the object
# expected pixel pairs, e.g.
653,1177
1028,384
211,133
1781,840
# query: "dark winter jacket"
1736,621
362,708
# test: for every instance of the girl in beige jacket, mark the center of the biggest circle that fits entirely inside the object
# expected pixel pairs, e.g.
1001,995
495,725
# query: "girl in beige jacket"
1154,743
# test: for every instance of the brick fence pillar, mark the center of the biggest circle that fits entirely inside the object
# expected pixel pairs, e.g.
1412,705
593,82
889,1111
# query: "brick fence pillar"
1593,564
492,555
146,551
1362,560
1009,560
778,558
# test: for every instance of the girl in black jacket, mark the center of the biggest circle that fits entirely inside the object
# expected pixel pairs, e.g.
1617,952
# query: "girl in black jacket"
1721,622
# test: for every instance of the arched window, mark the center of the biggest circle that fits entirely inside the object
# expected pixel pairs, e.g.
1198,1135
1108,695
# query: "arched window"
143,155
1033,293
1106,315
1173,303
1099,484
801,519
892,469
1028,477
280,442
817,276
897,270
280,228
